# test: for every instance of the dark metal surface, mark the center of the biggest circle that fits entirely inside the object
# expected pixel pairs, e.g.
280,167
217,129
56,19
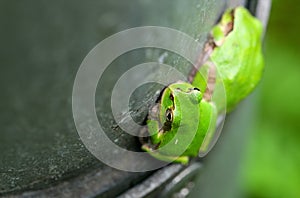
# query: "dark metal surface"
42,46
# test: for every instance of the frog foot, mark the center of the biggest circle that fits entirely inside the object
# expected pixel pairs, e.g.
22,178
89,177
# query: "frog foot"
154,153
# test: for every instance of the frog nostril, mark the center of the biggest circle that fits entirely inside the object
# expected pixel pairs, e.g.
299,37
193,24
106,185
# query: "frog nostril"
172,97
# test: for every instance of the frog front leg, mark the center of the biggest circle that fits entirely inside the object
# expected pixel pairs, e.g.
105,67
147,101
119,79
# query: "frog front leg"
156,154
208,124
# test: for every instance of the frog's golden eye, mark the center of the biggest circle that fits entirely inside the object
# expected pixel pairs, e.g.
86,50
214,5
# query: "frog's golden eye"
169,115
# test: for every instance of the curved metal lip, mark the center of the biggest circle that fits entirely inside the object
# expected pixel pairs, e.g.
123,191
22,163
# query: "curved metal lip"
88,185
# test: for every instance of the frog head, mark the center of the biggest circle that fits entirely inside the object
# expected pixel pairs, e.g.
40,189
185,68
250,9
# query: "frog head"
179,106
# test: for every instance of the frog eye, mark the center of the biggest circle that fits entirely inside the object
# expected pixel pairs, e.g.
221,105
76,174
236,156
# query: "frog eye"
169,115
195,88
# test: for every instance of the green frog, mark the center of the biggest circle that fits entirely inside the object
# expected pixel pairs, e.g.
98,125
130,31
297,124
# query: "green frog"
183,123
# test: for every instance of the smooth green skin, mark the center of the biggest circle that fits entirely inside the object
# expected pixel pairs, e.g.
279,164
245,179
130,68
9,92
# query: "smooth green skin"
239,59
239,63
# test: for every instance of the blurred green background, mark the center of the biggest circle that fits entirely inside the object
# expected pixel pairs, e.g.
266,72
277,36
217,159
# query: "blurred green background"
272,164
